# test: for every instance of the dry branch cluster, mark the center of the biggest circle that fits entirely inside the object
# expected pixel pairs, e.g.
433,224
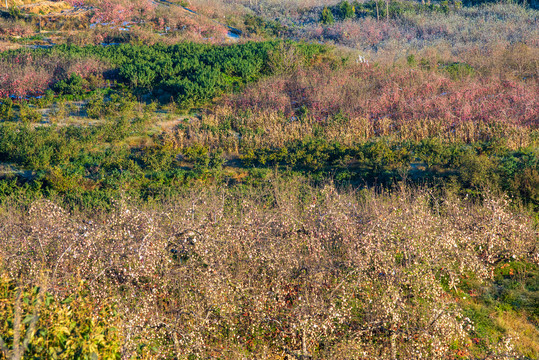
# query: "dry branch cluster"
288,269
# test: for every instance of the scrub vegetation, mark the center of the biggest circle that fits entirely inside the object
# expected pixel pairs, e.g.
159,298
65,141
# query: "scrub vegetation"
269,179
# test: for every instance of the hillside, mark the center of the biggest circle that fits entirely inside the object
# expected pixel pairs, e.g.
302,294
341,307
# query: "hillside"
269,180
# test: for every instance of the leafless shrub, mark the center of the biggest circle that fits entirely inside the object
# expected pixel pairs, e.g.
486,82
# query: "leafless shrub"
290,269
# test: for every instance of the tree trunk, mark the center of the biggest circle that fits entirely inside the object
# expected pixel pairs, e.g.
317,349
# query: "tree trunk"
304,342
393,345
393,338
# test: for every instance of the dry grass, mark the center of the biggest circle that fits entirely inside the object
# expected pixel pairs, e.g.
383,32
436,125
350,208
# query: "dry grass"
15,28
7,45
20,2
269,129
455,33
45,7
526,333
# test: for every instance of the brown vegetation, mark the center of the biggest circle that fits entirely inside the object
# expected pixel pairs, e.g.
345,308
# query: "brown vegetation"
45,7
373,199
290,269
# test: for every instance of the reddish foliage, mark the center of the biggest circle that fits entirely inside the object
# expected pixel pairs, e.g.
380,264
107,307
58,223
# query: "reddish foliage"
26,74
193,28
402,94
117,11
368,32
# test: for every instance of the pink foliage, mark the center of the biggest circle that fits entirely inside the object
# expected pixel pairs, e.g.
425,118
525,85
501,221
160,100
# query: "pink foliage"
117,11
22,75
190,27
406,94
22,81
114,11
365,32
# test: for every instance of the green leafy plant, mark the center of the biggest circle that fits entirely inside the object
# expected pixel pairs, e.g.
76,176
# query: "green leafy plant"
346,10
39,324
74,85
326,17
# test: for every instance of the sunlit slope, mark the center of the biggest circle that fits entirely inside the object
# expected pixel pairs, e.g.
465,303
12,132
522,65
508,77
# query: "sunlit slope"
38,7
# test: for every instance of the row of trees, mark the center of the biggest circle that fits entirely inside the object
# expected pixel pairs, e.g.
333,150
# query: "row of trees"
381,9
285,267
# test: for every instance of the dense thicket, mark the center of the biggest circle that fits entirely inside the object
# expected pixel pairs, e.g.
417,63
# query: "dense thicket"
187,73
90,166
282,269
272,200
394,9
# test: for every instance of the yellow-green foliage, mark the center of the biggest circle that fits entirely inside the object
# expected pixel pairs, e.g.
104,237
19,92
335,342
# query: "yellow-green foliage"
74,326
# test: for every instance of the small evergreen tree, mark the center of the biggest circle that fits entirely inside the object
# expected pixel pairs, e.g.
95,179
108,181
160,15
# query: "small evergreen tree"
346,11
357,8
326,17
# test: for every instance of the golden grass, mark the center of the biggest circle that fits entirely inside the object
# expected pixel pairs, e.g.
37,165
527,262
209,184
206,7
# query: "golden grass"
7,45
18,2
45,7
524,333
271,129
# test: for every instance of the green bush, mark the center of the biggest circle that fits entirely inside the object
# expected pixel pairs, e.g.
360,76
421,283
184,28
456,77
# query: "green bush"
326,17
259,26
190,74
398,8
95,108
159,158
203,159
458,71
73,326
6,109
74,85
28,114
346,11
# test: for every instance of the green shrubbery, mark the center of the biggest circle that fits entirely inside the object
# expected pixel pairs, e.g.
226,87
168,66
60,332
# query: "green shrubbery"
74,85
191,74
326,17
474,166
96,160
6,109
256,25
38,324
379,9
